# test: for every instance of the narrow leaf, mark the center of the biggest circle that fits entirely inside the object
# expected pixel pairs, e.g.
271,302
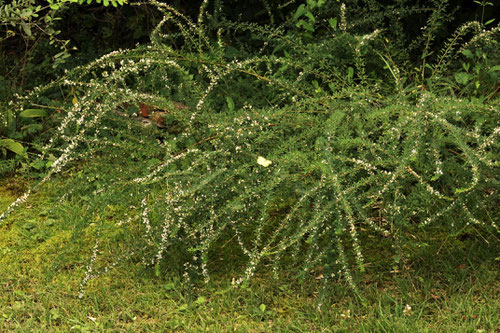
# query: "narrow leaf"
33,113
12,145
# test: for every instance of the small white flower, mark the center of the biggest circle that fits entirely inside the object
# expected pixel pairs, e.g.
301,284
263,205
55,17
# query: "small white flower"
264,162
407,310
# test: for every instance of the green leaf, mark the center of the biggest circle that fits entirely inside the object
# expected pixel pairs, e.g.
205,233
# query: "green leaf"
32,128
468,54
333,23
262,308
436,177
311,3
308,26
311,17
11,123
26,28
200,300
12,145
38,165
495,68
230,103
350,73
462,78
33,113
489,22
462,190
300,11
425,54
50,160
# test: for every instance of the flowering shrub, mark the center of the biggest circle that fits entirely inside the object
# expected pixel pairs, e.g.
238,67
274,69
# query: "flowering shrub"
289,179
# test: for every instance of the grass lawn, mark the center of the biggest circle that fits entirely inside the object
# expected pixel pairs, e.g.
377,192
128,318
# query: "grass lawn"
443,284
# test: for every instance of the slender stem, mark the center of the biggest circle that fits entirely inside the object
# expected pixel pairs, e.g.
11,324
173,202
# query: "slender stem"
482,13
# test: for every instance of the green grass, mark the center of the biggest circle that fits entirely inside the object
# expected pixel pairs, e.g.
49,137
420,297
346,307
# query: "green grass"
449,281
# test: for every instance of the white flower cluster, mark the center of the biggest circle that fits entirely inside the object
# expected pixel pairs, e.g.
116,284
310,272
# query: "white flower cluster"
13,205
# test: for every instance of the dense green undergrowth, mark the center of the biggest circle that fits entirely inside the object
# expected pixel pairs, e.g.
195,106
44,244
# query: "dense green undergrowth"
323,165
191,202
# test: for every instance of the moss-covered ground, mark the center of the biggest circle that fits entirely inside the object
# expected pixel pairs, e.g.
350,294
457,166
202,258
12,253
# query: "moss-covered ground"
445,283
